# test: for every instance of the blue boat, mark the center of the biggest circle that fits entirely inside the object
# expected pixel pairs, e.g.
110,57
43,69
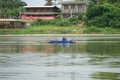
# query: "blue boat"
63,41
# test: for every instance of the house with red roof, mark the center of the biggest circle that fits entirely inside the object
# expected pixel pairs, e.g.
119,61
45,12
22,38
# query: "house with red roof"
40,12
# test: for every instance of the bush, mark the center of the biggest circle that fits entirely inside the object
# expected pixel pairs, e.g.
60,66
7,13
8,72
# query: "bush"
44,22
58,22
104,15
92,29
59,17
73,20
50,22
63,23
110,30
80,17
37,22
99,21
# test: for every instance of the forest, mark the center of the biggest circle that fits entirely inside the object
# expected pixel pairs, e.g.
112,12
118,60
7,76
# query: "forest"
11,8
103,13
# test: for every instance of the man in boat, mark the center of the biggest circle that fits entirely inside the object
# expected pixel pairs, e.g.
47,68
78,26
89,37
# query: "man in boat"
64,40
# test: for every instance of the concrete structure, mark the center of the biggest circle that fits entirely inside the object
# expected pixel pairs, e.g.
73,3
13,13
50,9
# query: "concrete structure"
11,23
73,8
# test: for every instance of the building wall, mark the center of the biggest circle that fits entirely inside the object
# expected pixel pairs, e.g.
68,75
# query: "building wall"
69,10
33,17
78,8
40,12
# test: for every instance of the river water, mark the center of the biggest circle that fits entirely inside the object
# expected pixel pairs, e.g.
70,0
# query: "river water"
33,58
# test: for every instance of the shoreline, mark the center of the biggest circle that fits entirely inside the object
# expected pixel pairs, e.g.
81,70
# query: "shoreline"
60,35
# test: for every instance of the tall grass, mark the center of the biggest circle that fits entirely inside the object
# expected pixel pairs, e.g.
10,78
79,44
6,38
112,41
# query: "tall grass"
96,30
53,29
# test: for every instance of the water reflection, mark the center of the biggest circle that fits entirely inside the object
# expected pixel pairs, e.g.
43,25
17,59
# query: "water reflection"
106,75
92,49
91,58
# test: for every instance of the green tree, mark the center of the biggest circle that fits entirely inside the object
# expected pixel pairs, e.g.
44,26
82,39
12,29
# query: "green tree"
104,15
113,1
98,1
106,1
11,8
49,3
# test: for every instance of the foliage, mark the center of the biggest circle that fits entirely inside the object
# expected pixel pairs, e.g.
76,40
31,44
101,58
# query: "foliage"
113,1
49,3
103,15
59,17
109,30
99,10
63,23
11,8
96,30
36,22
80,16
44,22
92,29
105,1
57,22
73,20
53,29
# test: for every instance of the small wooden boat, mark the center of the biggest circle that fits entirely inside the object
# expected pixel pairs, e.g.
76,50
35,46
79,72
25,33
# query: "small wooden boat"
63,41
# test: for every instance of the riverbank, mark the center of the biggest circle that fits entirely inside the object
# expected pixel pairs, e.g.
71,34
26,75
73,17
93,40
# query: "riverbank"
66,35
51,29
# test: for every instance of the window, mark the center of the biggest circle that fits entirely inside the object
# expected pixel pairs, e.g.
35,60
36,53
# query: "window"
65,6
30,10
72,6
35,10
79,6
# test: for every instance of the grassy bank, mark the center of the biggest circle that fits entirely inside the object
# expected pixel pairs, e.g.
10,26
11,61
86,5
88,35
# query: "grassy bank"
51,29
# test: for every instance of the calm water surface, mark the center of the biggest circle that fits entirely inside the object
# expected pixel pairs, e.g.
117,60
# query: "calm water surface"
33,58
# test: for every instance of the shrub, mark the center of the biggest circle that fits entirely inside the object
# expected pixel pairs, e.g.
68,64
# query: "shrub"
59,17
99,21
103,15
110,30
49,22
73,20
80,17
44,22
63,23
92,29
58,22
37,22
